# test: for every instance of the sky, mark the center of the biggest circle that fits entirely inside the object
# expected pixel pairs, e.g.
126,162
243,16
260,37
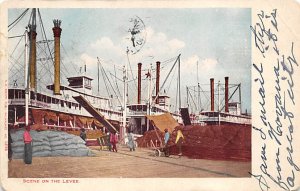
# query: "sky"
217,39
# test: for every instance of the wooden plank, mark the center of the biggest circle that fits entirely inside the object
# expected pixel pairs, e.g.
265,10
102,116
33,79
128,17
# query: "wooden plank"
86,105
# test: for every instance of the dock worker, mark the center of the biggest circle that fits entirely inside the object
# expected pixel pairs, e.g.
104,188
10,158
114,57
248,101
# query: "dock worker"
27,147
167,136
114,141
83,134
179,141
166,140
131,141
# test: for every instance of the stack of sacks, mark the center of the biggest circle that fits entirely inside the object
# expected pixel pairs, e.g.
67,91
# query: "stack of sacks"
225,142
64,144
40,144
49,143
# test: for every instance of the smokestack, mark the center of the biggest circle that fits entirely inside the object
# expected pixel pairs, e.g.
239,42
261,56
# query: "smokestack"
226,94
157,80
212,95
32,36
139,82
57,32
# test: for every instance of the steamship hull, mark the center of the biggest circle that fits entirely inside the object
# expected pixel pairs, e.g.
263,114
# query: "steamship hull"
60,112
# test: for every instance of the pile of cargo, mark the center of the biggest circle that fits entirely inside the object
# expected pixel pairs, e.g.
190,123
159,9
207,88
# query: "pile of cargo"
149,138
49,143
225,142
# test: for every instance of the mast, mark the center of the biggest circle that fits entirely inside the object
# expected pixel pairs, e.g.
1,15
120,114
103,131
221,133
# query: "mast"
219,102
198,84
240,97
149,104
98,76
27,92
179,93
125,95
187,96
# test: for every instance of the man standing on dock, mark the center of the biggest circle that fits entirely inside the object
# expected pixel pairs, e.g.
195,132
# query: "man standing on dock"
114,141
167,137
179,141
131,141
27,147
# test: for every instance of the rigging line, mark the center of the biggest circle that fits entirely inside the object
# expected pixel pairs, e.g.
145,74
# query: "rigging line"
13,60
18,44
105,83
14,67
195,105
109,63
17,72
65,71
24,12
104,79
43,37
231,96
169,60
17,20
31,15
117,82
135,84
17,36
205,95
45,53
176,100
171,81
111,85
166,79
113,75
43,30
105,75
45,71
63,47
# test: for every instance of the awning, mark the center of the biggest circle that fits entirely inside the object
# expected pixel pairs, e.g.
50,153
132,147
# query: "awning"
164,121
65,117
49,115
38,115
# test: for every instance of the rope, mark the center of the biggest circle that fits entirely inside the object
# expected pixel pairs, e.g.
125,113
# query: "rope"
43,30
69,58
15,22
117,82
135,84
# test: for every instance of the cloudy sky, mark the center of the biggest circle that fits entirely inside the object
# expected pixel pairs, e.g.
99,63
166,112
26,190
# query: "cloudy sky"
218,39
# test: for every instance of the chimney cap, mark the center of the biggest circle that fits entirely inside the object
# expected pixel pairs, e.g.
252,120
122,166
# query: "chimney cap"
56,22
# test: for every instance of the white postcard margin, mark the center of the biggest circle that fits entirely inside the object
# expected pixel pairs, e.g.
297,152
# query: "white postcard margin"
264,151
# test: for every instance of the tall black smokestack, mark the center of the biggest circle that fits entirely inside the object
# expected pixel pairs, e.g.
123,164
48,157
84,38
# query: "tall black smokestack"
139,82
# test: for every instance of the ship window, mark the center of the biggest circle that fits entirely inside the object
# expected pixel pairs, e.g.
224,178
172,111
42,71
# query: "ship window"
16,94
10,94
48,99
62,103
32,95
39,97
